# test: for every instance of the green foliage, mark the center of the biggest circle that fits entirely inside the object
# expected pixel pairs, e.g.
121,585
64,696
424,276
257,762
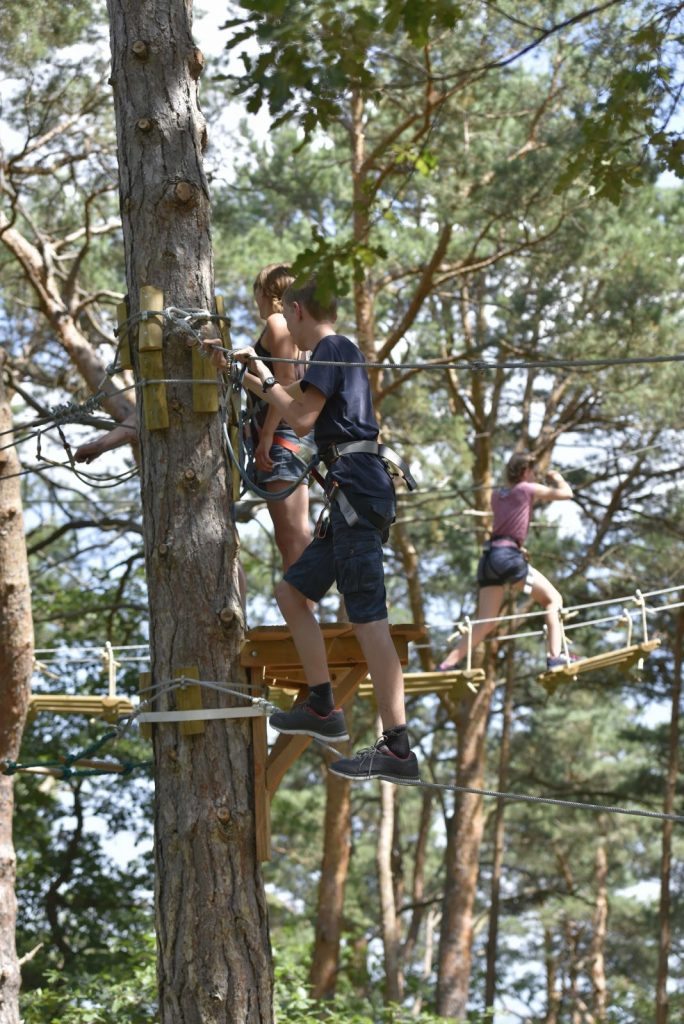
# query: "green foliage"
122,992
306,65
626,135
32,33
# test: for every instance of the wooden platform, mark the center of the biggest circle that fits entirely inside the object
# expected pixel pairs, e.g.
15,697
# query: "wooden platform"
271,659
621,657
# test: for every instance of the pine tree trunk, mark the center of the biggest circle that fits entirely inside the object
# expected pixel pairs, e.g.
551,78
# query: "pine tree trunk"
214,960
464,836
553,988
665,938
334,871
598,945
499,828
389,923
16,662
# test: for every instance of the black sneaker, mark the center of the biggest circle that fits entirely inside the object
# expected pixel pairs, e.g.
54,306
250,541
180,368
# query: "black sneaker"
378,762
302,720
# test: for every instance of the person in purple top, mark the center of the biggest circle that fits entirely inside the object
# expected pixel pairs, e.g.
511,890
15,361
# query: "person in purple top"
334,399
503,558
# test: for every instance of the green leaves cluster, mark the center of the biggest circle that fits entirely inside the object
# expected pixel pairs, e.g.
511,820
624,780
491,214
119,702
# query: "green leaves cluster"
627,133
314,54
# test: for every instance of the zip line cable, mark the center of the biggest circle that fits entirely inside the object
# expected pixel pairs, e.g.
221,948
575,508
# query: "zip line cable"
69,767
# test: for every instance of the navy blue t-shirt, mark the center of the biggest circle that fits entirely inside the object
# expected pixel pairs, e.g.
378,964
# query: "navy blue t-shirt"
347,414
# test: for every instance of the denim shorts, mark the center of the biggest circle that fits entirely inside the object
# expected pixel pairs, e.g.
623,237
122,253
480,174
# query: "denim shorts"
350,556
287,465
501,565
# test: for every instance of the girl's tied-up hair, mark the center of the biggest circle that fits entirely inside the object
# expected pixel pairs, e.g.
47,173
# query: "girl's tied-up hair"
272,282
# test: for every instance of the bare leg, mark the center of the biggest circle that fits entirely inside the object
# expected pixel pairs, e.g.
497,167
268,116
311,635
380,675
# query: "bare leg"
489,601
305,631
385,670
545,594
290,521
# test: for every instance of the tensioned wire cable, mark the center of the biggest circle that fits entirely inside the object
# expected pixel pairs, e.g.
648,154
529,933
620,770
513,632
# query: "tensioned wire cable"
157,690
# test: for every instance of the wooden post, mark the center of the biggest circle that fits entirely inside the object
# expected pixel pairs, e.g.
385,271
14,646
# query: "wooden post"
122,315
234,424
150,341
144,680
204,395
189,698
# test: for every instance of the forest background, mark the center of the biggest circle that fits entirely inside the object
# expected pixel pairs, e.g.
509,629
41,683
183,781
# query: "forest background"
478,201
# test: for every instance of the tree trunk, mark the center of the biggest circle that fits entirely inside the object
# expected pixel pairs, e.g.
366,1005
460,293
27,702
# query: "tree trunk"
16,663
334,871
214,958
388,911
464,835
665,938
598,945
553,988
418,884
499,826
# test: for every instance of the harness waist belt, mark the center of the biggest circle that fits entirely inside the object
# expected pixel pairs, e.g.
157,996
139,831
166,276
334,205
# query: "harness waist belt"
333,452
285,442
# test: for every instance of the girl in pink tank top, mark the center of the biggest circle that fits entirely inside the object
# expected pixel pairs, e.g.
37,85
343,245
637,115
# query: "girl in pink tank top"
503,561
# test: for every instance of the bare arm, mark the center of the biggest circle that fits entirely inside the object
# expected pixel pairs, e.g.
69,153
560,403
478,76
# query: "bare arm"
277,341
299,408
559,490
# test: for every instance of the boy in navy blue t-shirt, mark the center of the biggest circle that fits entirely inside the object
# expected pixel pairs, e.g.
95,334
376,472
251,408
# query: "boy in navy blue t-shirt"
334,400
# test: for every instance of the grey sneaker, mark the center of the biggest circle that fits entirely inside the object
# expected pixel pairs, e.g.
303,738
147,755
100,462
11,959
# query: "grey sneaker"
302,720
378,762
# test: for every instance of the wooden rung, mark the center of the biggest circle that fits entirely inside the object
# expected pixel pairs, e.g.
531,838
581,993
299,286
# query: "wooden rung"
624,657
432,682
108,708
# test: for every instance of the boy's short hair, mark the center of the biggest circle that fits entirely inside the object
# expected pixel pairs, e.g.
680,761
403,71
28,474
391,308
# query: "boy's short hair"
517,464
273,281
306,296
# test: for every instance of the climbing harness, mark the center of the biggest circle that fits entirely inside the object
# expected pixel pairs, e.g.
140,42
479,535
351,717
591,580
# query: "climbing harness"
332,452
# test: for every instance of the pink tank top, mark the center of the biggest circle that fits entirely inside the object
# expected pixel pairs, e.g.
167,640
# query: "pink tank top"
512,510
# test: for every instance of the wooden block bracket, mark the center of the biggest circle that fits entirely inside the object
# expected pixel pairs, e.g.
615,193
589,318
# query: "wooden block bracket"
150,343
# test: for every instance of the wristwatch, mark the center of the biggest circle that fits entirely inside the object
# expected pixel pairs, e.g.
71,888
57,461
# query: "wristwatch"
267,384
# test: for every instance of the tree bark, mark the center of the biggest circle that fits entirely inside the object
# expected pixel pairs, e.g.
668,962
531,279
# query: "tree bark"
388,911
16,663
499,828
598,945
665,937
553,988
331,888
214,958
464,836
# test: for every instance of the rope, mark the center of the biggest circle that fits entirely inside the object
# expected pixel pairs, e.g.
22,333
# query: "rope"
551,801
238,460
